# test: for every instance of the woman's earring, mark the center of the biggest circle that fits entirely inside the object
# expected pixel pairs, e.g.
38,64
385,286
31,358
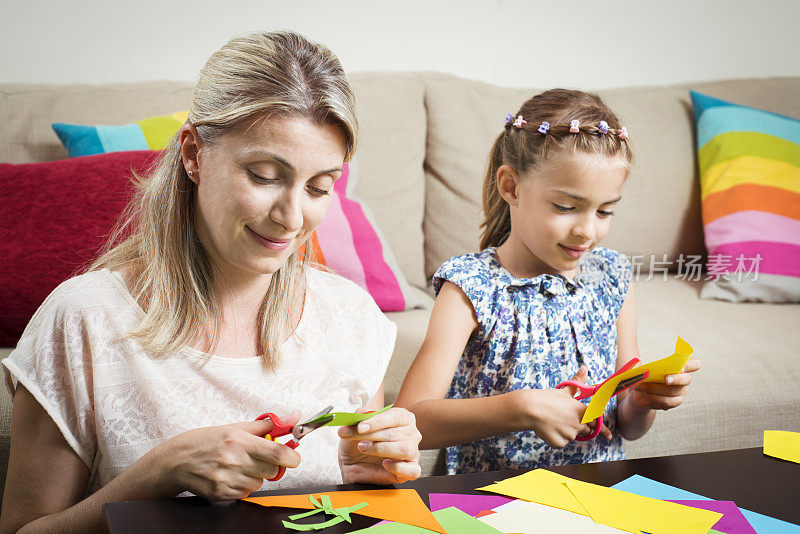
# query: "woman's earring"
190,173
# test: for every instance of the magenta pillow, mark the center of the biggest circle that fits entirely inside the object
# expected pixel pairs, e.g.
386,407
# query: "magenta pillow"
55,217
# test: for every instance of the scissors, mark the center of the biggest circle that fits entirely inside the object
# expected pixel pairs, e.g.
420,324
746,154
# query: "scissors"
585,391
297,431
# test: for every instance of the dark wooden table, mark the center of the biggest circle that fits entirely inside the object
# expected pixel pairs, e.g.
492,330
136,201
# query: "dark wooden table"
756,482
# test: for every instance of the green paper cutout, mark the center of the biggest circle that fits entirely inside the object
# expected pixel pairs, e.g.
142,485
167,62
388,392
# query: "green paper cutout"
340,514
345,512
305,514
326,504
347,418
313,526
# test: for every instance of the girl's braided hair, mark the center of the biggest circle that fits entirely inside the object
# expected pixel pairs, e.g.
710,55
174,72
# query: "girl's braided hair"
523,146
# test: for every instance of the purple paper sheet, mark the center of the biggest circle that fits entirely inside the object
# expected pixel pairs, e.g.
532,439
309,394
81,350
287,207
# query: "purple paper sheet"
469,504
732,522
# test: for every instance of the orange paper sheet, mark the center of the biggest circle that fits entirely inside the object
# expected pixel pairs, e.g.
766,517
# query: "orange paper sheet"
399,505
658,370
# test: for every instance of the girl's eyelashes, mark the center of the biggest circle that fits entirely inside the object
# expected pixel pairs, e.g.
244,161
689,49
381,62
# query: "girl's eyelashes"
567,209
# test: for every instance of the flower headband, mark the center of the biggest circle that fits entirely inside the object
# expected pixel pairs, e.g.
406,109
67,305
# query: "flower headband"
574,126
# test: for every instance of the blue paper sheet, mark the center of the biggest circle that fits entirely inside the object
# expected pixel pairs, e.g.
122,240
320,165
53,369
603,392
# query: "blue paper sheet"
657,490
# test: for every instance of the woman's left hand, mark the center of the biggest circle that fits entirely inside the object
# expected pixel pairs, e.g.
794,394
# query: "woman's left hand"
384,449
665,395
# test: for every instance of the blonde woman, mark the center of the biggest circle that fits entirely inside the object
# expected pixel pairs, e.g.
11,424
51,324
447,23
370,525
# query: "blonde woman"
142,377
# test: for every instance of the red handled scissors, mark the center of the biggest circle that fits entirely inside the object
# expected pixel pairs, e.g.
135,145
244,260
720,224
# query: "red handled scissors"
585,391
297,431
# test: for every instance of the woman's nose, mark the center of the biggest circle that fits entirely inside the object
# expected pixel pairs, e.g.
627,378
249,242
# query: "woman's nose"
287,210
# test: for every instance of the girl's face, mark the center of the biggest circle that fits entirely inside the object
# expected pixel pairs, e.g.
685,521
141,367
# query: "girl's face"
262,190
563,209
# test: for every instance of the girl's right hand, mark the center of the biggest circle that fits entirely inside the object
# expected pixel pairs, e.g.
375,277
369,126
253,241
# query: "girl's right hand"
555,415
223,462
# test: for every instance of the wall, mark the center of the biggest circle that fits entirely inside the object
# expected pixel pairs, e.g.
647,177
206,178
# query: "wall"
508,42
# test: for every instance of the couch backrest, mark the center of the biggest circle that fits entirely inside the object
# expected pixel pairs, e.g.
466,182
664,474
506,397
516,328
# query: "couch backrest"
660,211
426,138
391,109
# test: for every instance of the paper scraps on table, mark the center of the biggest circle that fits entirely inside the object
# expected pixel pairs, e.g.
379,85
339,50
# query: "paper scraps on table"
658,370
535,518
762,524
782,444
340,515
399,505
452,519
348,418
469,504
539,485
552,489
732,522
635,513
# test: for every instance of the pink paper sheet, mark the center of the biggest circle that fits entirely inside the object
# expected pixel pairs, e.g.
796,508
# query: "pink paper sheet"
469,504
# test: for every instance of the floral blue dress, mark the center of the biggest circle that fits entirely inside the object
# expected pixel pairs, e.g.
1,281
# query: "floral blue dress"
534,333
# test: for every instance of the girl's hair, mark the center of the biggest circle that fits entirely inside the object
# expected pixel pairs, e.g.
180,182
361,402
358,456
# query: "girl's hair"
526,147
255,76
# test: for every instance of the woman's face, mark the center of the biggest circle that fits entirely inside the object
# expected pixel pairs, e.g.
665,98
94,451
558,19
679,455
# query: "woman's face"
262,189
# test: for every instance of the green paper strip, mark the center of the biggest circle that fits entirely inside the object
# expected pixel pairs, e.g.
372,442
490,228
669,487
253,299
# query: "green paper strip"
327,505
345,512
347,418
305,514
340,514
313,526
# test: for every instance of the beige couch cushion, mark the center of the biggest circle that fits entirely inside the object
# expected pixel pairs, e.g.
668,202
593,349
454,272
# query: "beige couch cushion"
749,372
390,107
660,210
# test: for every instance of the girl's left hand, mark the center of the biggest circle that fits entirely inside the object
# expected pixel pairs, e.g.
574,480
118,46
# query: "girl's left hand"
384,449
668,394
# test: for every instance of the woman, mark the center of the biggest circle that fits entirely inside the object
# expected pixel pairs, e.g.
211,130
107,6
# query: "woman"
142,377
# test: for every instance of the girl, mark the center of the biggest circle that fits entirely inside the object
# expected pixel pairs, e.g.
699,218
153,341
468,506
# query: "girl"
142,377
540,304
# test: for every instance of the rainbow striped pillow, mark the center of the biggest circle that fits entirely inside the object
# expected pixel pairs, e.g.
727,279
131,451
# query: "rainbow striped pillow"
347,241
152,133
749,162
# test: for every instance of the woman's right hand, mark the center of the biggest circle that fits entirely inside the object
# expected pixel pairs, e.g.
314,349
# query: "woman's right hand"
554,414
224,462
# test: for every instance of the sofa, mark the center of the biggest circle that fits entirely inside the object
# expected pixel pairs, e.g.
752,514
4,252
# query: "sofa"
426,137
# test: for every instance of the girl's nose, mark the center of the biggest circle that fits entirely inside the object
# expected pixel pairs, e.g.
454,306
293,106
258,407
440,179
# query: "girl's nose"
287,210
584,228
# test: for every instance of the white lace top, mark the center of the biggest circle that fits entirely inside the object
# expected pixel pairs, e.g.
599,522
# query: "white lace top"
113,402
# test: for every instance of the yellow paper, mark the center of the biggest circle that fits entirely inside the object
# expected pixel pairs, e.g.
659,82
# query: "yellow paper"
658,370
634,513
539,485
782,444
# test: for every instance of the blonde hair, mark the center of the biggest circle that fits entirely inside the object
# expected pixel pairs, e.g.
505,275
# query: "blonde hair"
259,75
525,148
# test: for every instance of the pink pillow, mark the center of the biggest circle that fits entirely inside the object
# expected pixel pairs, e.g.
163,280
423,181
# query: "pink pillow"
349,243
57,215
